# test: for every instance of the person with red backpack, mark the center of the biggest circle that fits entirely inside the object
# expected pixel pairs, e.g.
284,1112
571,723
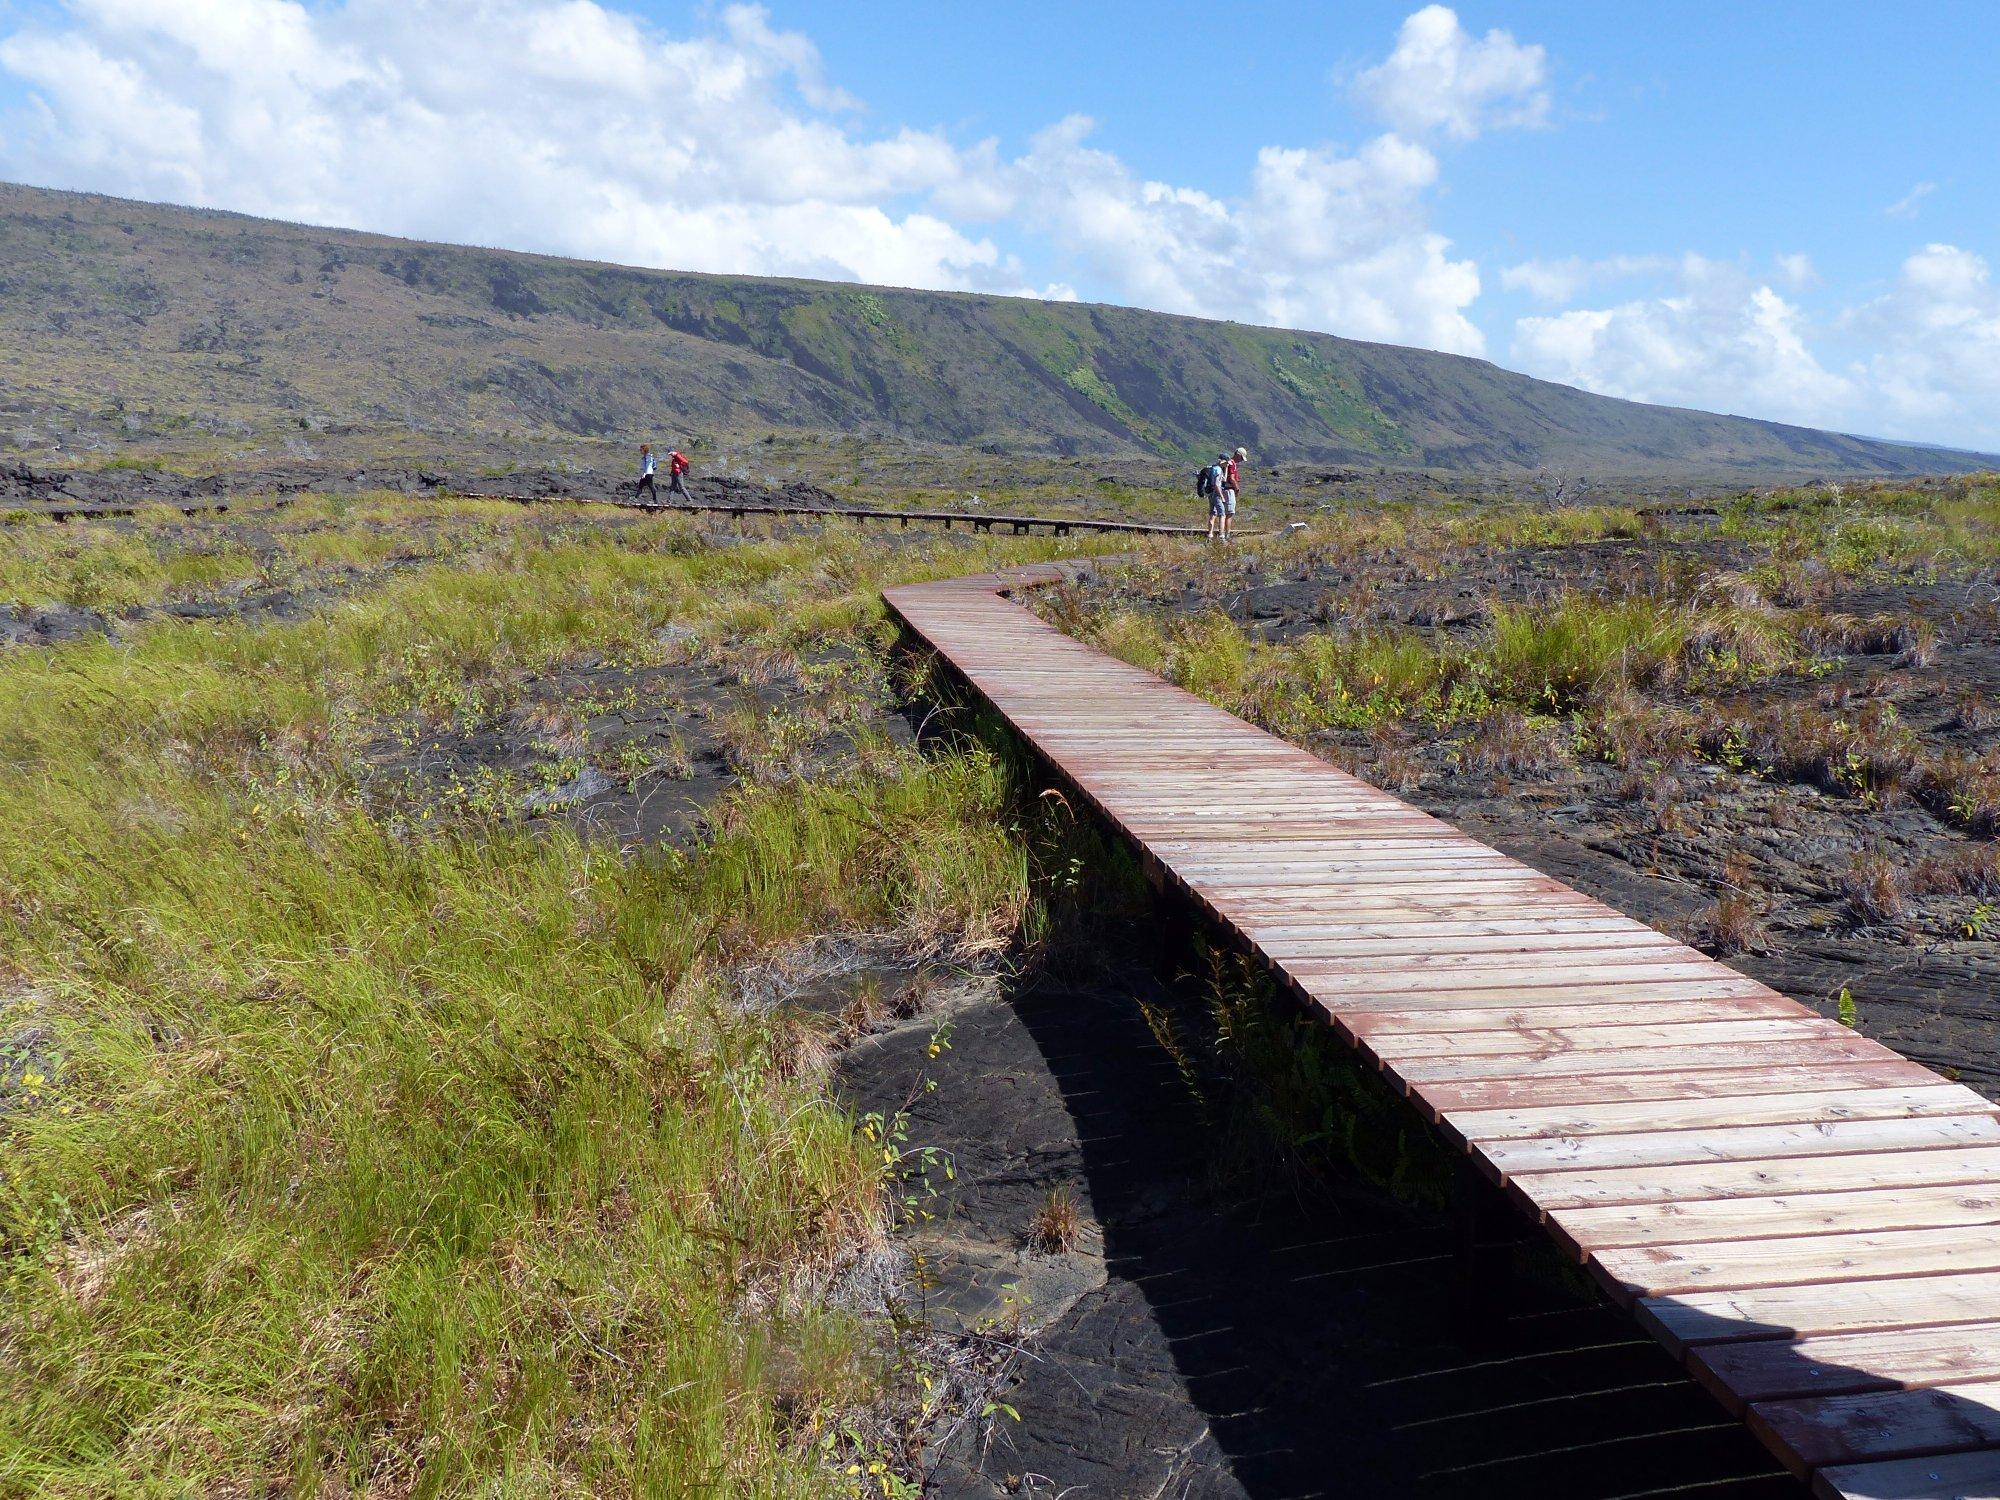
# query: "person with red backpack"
1229,477
677,467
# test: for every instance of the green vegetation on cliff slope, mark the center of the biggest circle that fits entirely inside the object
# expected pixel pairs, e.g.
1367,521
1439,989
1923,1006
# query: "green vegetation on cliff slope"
155,319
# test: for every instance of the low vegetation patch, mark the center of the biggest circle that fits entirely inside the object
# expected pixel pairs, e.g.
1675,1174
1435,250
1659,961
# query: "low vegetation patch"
370,1151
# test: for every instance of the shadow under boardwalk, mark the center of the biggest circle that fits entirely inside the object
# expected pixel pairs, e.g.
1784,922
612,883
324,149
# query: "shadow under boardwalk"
1212,1337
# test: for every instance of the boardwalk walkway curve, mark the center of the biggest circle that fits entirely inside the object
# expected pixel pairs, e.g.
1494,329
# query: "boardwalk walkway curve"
1806,1218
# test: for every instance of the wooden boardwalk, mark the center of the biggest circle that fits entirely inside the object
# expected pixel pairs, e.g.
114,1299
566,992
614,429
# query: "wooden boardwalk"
977,521
1809,1220
74,510
68,509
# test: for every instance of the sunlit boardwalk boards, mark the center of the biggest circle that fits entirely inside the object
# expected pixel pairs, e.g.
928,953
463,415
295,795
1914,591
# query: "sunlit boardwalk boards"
1809,1220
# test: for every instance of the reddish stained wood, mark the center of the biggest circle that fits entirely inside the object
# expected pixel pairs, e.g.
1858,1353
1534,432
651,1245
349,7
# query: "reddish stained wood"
1589,1231
1439,1017
1694,1318
1619,1034
1668,1116
1666,1270
1953,1476
1815,1137
1817,1431
1877,1068
1683,1124
1774,1177
1840,1364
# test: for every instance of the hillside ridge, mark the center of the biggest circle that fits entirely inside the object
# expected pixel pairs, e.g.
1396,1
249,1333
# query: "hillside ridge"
156,319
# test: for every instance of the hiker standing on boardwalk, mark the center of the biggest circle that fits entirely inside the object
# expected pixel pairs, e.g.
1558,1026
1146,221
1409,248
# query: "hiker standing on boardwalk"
1210,486
1229,476
646,467
677,467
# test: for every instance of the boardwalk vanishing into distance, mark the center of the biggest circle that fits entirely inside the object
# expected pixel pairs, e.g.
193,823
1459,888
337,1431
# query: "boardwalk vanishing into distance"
1810,1221
1018,525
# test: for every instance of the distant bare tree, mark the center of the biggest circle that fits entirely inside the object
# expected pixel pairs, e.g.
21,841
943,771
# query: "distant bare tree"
1559,483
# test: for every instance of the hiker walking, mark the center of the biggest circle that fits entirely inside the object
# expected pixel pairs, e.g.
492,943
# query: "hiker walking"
1229,477
1208,484
677,467
645,485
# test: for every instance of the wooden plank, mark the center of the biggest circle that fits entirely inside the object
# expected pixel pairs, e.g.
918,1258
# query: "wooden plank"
1403,923
1594,1230
1777,1369
1522,981
1434,1018
1440,906
1941,1167
1562,947
1816,1137
1694,1318
1958,1476
1616,1033
1647,959
1421,1072
1777,1191
1666,1116
1795,1260
1814,1432
1877,1069
1583,1000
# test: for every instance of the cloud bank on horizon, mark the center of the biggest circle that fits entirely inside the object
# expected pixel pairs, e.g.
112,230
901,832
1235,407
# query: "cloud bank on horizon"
537,129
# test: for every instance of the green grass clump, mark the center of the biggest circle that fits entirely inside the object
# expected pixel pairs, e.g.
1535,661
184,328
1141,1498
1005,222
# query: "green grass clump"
1546,658
1556,656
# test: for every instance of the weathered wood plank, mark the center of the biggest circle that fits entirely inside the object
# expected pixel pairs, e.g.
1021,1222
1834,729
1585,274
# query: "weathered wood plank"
1817,1137
1815,1053
1757,1179
1667,1116
1668,1270
1776,1369
1878,1068
1593,1230
1431,1018
1793,1311
1818,1431
1780,1194
1609,1036
1961,1476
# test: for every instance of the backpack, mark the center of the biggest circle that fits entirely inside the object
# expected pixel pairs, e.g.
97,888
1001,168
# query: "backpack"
1203,481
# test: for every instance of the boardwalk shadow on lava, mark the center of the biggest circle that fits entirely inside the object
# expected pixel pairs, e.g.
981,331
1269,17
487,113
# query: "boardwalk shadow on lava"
1247,1343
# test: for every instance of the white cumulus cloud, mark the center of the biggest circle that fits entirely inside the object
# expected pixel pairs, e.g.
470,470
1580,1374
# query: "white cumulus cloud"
1561,280
1442,79
1719,340
1921,362
1323,239
1934,342
555,125
575,127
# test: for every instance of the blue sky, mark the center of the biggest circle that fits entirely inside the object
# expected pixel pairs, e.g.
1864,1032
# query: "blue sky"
1782,210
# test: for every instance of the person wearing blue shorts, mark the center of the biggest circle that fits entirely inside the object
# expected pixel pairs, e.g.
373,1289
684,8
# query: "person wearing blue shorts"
1218,514
1229,480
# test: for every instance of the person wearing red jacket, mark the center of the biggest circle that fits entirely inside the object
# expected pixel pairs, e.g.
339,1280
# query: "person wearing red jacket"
677,467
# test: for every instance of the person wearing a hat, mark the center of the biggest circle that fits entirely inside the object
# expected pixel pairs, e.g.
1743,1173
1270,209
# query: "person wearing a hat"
1229,471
